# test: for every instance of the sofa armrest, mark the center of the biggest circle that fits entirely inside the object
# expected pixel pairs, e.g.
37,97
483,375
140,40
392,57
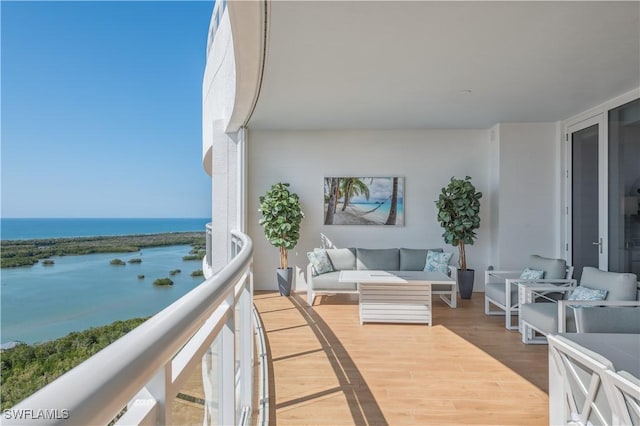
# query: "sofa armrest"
453,272
563,304
309,276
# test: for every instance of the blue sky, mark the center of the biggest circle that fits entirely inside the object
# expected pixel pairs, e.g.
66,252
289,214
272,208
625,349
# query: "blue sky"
101,109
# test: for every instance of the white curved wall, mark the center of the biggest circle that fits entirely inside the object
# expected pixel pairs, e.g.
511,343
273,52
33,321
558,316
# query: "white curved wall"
218,89
230,87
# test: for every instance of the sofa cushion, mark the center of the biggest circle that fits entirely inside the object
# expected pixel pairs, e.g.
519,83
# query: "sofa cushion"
329,281
320,263
496,291
544,317
382,259
342,259
413,259
438,261
607,319
620,286
553,268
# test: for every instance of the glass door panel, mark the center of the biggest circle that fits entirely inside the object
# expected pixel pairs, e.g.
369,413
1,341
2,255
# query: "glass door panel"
585,239
624,188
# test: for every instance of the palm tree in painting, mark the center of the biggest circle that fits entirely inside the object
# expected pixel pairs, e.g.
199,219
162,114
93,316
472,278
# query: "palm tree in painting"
350,187
393,210
332,185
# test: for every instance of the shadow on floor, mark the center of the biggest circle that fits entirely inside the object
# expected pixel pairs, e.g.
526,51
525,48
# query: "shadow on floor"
362,404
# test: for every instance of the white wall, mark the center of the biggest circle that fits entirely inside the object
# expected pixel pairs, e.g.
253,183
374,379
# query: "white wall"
528,179
220,151
427,159
218,86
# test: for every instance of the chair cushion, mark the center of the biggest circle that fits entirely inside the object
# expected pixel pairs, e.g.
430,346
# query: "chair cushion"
532,274
342,259
544,317
553,268
329,281
382,259
621,286
586,293
608,319
438,261
413,259
320,263
496,291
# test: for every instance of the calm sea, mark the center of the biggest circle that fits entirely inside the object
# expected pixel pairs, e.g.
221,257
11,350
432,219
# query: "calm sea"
25,229
39,303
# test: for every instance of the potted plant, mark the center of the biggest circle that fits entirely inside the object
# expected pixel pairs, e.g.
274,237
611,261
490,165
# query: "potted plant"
281,218
459,215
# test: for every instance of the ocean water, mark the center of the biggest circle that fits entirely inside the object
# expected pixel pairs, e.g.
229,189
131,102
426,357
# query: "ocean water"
40,303
25,229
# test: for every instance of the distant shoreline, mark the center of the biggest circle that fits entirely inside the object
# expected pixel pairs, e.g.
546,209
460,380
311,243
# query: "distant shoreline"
45,228
27,252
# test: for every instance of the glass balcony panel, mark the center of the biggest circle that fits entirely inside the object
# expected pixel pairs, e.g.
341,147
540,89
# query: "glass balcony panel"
198,400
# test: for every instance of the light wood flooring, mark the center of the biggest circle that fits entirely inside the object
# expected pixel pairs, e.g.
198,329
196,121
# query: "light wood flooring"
328,369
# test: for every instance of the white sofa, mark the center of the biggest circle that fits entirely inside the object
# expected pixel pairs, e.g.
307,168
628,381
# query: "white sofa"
390,259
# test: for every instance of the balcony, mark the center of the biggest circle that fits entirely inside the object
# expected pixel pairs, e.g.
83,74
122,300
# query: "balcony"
466,369
195,363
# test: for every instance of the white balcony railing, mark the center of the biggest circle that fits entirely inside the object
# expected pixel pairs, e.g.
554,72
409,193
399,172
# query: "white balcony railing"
210,327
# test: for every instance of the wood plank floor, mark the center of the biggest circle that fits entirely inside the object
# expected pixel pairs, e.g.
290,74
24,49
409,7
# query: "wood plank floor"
328,369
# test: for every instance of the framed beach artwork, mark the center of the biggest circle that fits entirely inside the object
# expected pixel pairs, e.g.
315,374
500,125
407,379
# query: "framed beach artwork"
364,201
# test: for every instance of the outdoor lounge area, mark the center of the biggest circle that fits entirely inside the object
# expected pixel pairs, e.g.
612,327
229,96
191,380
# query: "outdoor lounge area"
326,368
366,111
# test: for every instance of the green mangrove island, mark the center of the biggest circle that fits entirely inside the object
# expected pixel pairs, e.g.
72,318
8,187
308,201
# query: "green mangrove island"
15,253
27,368
163,281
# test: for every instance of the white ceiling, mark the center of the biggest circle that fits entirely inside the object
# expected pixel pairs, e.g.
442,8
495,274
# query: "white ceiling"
374,64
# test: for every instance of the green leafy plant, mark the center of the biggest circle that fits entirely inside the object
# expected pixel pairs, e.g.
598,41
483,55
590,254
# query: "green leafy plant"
459,214
281,218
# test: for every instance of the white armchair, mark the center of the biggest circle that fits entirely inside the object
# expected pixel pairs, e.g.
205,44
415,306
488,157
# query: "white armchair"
501,287
540,315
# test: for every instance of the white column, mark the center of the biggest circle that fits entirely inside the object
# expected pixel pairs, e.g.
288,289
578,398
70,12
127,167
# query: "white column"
225,187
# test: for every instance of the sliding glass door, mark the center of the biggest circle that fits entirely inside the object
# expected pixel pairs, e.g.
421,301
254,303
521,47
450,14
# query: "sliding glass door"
624,188
587,239
604,191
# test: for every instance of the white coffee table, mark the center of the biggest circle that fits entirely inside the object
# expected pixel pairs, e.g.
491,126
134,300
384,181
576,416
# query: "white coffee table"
395,296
